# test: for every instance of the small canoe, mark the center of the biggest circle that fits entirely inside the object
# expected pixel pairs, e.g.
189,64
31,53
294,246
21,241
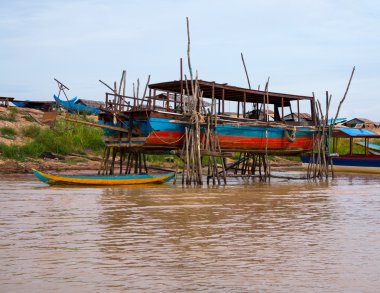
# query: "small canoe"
103,180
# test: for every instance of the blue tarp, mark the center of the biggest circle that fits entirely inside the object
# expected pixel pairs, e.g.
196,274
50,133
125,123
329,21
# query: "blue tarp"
338,120
353,132
70,106
20,104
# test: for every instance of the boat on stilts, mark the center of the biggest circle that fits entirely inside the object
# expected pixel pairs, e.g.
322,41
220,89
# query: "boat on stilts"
258,125
170,120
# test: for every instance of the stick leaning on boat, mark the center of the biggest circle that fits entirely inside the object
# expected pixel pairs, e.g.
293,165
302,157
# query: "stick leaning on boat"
103,180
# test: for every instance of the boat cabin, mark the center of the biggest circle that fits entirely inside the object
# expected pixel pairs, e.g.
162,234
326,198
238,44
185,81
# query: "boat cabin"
230,103
359,140
360,123
247,103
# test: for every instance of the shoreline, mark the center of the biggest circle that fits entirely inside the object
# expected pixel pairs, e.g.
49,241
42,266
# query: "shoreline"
9,167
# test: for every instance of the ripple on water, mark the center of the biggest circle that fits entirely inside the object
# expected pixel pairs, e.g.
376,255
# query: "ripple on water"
279,236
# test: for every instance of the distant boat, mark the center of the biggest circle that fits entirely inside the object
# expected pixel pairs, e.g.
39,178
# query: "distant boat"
20,104
39,105
77,108
353,163
358,163
103,180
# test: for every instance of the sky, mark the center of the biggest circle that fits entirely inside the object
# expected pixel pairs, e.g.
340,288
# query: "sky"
304,46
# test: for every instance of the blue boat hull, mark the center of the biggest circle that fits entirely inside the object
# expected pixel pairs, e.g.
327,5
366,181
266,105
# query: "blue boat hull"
159,132
353,163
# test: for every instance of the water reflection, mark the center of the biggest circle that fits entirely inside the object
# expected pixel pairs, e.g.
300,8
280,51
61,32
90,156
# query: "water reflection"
193,229
280,236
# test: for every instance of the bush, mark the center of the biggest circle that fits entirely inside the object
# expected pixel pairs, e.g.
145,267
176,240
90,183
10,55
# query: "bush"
63,139
8,132
68,138
10,116
20,153
54,142
11,152
31,131
32,149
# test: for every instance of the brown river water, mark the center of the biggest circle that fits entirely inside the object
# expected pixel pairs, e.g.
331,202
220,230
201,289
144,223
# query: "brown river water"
281,236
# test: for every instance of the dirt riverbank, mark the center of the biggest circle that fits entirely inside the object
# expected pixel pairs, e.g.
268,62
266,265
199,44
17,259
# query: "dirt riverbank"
25,167
16,167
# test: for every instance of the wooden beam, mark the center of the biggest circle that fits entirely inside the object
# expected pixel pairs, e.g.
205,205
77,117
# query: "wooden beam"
223,101
97,125
282,108
244,104
298,110
167,101
181,78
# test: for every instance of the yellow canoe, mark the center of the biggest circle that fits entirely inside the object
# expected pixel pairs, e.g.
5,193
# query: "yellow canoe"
103,180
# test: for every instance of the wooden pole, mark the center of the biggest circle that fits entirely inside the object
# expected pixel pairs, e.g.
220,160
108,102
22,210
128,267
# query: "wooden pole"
146,87
223,101
121,152
181,78
344,96
246,72
244,104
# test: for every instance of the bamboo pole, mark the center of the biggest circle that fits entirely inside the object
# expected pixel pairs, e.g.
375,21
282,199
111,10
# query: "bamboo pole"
344,96
245,69
146,87
121,151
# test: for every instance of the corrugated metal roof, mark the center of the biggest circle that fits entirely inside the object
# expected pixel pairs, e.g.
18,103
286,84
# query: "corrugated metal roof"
304,116
90,103
356,132
365,120
338,120
229,93
362,120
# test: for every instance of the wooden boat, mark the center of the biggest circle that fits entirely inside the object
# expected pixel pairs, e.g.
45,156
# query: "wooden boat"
156,131
162,127
103,180
364,162
77,108
20,104
39,105
352,163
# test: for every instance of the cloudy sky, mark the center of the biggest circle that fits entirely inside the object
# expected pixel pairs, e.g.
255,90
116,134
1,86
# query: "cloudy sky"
304,46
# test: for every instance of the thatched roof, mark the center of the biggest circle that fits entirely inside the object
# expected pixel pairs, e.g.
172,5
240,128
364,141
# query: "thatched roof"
90,103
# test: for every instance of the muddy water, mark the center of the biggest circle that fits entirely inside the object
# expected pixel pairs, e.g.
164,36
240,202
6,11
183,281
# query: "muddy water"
276,237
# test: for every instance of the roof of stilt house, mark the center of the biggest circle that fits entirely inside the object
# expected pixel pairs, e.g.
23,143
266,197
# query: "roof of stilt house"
304,116
230,93
173,97
90,103
362,120
354,133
